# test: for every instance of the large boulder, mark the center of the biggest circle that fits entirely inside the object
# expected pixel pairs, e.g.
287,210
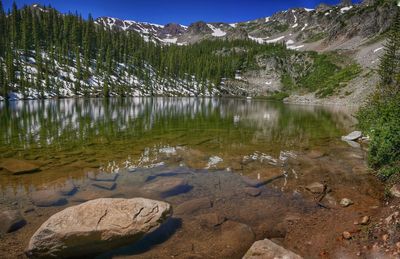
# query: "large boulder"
268,249
10,221
97,226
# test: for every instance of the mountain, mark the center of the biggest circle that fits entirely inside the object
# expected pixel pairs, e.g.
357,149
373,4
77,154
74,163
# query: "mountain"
326,54
323,28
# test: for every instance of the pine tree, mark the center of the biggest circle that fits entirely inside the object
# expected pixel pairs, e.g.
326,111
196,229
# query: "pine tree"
389,69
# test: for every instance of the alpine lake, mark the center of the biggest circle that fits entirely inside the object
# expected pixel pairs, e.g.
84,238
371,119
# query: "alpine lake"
246,166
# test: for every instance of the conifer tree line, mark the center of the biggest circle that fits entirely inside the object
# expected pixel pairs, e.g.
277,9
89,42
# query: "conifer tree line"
380,117
47,39
389,69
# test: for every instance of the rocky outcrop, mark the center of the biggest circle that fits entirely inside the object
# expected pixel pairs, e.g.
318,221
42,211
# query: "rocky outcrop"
268,249
300,26
199,27
172,29
97,226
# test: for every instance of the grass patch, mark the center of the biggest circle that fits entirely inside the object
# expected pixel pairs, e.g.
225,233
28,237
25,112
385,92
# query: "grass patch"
276,96
338,80
381,121
327,76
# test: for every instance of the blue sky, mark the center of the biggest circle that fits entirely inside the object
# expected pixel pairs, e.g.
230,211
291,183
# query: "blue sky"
179,11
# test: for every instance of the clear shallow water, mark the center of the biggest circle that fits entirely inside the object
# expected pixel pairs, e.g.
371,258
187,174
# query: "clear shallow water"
218,147
116,133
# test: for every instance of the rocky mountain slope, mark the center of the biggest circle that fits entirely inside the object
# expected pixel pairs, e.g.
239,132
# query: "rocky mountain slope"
350,38
325,27
350,30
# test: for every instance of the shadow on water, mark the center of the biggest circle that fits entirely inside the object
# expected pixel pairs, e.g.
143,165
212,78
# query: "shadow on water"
177,191
159,236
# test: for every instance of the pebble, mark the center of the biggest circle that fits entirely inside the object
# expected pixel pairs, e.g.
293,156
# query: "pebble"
385,237
346,235
365,220
345,202
392,218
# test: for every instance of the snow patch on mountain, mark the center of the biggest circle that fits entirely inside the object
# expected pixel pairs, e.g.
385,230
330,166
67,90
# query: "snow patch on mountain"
345,9
170,41
217,32
275,40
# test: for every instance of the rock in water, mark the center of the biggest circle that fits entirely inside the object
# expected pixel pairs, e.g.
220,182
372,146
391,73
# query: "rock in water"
16,166
192,206
10,221
316,188
251,191
105,185
97,226
352,136
268,249
48,198
345,202
167,186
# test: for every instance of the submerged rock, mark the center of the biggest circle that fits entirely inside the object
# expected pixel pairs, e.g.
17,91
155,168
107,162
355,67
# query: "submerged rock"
346,235
103,177
65,188
365,220
268,249
316,188
192,206
355,135
211,219
345,202
10,221
16,166
234,237
97,226
251,191
105,185
48,198
167,186
251,182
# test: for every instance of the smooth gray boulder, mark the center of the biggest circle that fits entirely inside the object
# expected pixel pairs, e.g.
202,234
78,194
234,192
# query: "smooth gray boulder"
268,249
97,226
353,136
